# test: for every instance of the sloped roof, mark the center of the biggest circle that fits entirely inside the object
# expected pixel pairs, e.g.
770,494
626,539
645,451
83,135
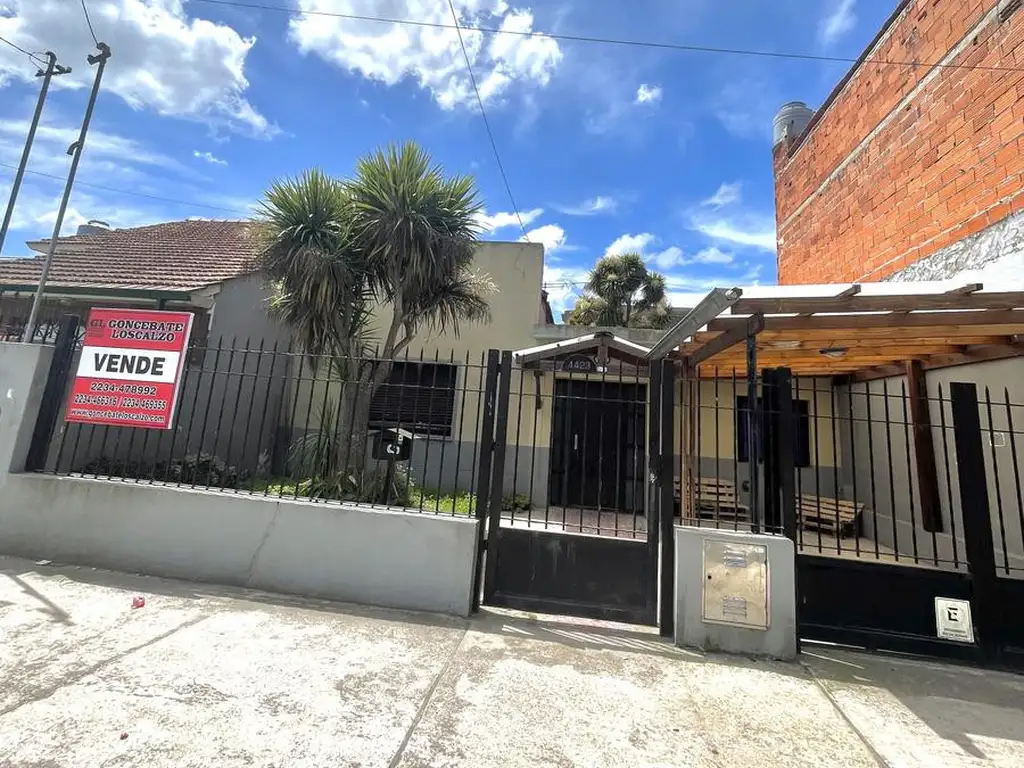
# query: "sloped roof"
174,256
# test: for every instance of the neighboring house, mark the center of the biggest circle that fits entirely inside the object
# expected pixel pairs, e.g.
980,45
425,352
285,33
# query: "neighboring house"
910,172
236,386
916,173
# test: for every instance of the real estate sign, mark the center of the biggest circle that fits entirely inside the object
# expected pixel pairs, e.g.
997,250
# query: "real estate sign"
130,370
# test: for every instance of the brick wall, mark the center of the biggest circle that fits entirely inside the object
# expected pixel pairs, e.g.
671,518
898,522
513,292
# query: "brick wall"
906,160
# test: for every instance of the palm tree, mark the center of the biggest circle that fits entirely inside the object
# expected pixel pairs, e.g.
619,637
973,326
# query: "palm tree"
401,234
621,292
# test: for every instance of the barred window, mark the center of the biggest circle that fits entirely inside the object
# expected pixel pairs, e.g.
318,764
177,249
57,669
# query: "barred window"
802,438
418,397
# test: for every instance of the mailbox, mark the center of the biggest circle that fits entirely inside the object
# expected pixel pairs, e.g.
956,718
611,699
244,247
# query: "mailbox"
392,445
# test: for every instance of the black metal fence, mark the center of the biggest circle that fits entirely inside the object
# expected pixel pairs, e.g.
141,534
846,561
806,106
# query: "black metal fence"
273,421
575,457
12,327
874,466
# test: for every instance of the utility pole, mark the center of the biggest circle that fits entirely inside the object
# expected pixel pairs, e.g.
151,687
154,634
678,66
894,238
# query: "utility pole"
75,150
52,68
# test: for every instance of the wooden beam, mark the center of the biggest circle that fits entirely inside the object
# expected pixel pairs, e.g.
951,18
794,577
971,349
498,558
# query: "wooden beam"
1013,320
963,290
858,303
924,448
730,338
970,355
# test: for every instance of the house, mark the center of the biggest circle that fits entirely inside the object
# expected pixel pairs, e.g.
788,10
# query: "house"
247,392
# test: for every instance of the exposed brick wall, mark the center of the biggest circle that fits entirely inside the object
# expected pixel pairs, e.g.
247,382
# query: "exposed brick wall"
885,175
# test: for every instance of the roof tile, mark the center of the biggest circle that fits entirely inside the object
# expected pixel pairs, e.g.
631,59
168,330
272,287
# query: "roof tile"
174,256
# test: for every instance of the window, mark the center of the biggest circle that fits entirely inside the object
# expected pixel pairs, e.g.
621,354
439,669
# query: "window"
802,439
418,397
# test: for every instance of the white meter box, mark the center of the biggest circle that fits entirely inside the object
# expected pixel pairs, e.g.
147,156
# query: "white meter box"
736,584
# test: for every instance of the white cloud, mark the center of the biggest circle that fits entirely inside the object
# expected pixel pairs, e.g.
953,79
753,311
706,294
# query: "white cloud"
727,194
592,207
494,221
671,257
746,107
209,157
163,60
713,255
551,236
630,244
837,23
648,94
751,231
564,285
432,56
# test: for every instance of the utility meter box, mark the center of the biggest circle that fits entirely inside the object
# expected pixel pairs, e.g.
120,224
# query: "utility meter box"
736,584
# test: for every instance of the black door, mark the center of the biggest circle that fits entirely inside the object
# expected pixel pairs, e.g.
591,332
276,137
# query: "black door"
597,445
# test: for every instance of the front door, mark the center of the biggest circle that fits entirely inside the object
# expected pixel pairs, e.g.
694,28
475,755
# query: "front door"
598,445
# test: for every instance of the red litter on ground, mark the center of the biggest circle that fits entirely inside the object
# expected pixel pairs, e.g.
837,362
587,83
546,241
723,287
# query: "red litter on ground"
139,602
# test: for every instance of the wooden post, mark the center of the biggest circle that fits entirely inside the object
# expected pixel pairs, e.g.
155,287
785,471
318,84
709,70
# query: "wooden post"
924,448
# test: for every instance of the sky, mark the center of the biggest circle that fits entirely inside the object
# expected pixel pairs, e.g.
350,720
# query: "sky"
606,148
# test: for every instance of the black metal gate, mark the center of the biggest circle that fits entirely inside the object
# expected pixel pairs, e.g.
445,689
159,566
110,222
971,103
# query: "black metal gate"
572,489
880,564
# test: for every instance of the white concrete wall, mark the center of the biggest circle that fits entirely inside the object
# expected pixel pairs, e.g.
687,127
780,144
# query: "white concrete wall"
779,640
378,557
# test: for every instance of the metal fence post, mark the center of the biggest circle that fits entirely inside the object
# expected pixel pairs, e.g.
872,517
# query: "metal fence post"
666,499
53,393
497,474
977,515
483,472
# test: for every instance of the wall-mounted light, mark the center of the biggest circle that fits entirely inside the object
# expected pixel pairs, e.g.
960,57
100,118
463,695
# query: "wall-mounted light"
833,352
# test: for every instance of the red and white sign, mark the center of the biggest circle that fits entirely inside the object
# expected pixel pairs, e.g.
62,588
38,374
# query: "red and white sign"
130,369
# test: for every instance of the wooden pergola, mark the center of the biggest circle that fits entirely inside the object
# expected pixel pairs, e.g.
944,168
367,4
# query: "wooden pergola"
859,331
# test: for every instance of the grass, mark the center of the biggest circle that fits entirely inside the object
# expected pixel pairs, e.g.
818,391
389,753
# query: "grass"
425,499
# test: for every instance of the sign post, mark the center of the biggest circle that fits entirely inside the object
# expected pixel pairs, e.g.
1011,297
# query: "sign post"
129,373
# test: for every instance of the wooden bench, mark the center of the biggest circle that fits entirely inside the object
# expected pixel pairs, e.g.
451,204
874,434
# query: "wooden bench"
836,517
716,499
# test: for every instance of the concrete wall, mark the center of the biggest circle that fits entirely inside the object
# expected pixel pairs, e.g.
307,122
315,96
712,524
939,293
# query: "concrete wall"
340,552
892,494
348,553
904,161
693,576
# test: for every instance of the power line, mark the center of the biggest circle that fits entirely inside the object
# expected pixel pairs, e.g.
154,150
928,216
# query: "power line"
34,57
487,123
614,41
85,10
130,193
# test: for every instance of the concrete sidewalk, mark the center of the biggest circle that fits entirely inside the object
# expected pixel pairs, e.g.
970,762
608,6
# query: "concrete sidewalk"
205,676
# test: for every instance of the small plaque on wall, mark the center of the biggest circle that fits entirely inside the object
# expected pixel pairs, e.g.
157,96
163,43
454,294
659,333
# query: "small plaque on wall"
953,620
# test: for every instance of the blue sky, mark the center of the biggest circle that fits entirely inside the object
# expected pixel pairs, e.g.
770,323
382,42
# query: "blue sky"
606,147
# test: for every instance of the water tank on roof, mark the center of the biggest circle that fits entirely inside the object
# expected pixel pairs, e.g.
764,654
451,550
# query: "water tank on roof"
790,121
93,227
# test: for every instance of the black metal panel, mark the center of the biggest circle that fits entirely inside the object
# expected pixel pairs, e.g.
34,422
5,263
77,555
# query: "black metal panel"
590,576
1009,593
878,605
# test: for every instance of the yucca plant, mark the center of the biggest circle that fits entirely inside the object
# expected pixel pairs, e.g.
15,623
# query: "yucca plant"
400,233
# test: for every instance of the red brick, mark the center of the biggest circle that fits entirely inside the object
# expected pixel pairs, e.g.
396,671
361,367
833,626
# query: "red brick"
948,163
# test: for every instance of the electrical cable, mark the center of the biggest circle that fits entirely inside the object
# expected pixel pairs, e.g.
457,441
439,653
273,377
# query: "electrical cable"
85,10
687,48
129,192
487,124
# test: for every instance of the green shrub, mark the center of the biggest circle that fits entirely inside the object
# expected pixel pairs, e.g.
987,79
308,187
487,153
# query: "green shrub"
519,502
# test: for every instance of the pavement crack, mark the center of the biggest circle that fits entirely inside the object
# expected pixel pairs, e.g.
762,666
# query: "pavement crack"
400,752
263,541
846,718
74,677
